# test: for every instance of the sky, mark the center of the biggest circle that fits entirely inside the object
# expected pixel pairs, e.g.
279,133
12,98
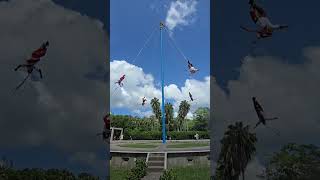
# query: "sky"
53,123
282,72
189,27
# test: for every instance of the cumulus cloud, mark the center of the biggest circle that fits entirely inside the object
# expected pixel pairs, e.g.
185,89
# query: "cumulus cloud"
181,13
64,110
288,91
137,85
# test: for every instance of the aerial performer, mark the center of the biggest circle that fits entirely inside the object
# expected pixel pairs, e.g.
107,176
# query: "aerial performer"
259,17
144,101
119,82
106,129
35,58
191,68
260,113
190,95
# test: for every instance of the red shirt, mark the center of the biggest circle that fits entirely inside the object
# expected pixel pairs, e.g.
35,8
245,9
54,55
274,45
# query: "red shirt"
37,54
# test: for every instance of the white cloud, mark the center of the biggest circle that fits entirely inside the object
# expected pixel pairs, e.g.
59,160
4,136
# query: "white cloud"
137,85
64,109
181,13
288,91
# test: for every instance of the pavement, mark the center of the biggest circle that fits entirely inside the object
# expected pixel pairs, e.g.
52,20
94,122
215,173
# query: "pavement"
114,147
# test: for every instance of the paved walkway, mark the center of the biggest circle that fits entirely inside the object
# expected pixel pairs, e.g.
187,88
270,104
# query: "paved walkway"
114,147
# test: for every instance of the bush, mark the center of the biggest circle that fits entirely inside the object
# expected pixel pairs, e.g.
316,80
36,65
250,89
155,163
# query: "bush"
168,175
144,135
157,135
138,172
182,135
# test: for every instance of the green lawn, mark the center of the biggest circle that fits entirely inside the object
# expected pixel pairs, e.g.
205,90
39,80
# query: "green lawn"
192,172
140,145
118,173
187,145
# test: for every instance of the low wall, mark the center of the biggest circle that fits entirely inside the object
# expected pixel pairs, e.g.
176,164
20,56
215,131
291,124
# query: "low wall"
125,160
188,159
181,159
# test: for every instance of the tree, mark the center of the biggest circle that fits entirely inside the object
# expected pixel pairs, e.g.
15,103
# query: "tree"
238,146
155,105
201,119
183,111
296,162
169,116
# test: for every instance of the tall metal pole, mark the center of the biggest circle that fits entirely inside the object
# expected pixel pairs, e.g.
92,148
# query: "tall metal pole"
162,89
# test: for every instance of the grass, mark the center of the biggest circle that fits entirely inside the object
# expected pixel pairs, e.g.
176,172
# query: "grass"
140,145
118,173
187,145
192,172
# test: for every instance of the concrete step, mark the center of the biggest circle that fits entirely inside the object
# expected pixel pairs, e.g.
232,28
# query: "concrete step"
154,158
155,169
155,163
157,154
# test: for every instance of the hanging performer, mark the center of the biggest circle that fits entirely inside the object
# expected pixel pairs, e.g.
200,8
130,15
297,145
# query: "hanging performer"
259,110
144,101
190,95
259,17
106,130
35,58
30,63
120,80
191,68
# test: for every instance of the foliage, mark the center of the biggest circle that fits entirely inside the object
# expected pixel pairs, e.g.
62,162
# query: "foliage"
168,175
35,173
155,104
169,116
295,162
184,108
238,146
201,119
138,172
174,135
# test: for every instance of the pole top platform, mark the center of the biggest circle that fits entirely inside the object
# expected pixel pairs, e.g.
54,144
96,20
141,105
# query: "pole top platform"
162,24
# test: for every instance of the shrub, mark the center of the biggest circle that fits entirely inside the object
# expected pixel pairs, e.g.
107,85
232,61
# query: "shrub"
138,172
157,135
168,175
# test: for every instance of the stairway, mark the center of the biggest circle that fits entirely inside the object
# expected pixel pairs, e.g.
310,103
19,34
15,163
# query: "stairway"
156,165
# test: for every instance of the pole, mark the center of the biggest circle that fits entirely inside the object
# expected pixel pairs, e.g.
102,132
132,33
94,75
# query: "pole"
162,89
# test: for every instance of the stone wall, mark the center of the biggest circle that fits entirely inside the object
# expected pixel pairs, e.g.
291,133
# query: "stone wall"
127,160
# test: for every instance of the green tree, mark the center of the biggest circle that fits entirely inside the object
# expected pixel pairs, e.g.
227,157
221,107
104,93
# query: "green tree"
155,105
184,108
238,146
169,116
295,162
201,119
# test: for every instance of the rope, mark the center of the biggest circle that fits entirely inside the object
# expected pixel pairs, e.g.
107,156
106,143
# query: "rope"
146,42
175,45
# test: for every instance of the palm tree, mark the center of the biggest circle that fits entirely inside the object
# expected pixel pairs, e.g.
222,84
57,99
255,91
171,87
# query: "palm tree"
169,115
155,104
183,111
238,147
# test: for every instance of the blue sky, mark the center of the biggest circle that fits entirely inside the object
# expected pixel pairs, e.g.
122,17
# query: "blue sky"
130,30
228,16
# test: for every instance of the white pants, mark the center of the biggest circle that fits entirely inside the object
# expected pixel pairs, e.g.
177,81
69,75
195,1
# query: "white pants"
264,21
